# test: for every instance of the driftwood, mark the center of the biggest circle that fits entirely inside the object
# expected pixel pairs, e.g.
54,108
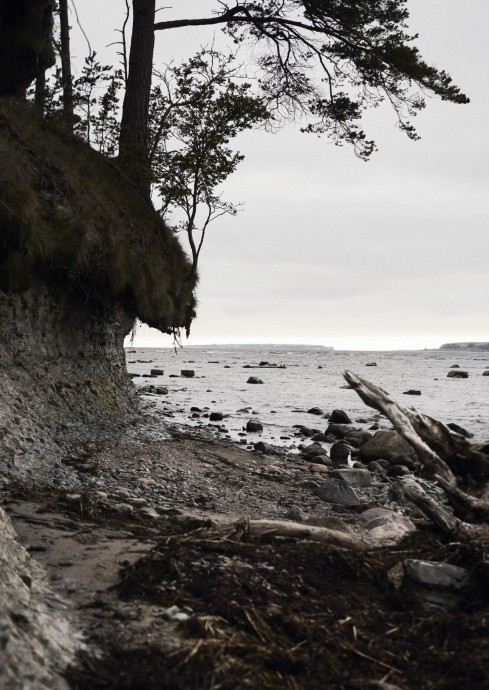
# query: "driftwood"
298,530
459,467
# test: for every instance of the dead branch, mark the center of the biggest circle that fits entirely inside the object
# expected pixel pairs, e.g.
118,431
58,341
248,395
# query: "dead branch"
448,458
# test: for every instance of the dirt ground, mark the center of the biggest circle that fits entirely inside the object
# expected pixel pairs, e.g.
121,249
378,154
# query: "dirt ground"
164,601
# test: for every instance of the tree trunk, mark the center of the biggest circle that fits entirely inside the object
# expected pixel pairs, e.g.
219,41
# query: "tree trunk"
134,125
66,63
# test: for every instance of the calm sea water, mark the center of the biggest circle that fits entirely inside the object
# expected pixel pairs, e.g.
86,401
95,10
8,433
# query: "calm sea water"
312,377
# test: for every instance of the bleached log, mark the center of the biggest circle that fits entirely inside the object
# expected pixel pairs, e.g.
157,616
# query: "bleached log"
448,458
297,530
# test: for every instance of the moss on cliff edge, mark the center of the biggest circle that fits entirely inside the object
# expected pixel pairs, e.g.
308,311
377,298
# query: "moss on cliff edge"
69,215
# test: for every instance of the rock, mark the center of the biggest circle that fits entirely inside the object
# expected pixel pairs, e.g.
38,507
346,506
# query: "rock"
338,492
458,374
398,471
161,390
124,507
436,574
254,425
216,417
460,430
320,459
385,444
339,417
371,364
353,477
254,379
435,586
485,373
295,514
412,391
315,410
314,450
403,460
375,467
386,524
339,453
37,640
147,511
317,467
187,373
358,438
338,430
455,366
265,448
195,409
319,437
305,431
156,372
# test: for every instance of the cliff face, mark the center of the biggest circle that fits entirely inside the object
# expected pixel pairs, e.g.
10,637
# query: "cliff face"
82,254
61,367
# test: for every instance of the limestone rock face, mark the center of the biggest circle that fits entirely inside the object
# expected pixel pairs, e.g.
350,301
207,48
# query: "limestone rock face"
36,639
61,365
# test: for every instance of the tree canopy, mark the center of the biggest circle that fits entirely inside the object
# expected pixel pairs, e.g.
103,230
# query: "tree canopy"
326,61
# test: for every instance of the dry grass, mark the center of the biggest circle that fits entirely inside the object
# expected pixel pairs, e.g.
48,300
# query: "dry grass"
70,215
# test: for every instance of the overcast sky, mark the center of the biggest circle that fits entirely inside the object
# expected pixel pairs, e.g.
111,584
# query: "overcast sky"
389,254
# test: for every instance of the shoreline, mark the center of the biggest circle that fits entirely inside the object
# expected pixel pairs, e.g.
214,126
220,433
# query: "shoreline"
150,551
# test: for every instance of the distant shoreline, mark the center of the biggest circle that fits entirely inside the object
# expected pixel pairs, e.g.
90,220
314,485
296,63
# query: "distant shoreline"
484,347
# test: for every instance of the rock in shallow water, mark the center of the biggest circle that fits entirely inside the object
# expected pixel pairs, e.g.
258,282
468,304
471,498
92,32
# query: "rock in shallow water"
339,417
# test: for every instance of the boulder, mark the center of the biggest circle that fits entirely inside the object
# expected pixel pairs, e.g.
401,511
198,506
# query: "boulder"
339,453
403,460
187,373
315,410
337,491
386,524
254,379
161,390
412,391
156,372
338,430
371,364
314,450
309,433
435,586
398,471
265,448
254,425
339,417
216,417
458,374
385,444
354,477
485,373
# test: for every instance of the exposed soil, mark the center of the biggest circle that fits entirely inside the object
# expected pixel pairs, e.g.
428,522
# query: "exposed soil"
165,602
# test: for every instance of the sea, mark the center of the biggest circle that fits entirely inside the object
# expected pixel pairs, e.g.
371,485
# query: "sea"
298,378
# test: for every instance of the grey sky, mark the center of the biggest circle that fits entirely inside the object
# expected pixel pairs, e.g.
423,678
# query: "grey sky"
331,250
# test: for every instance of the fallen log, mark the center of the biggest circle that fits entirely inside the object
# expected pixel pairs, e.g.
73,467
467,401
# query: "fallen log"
298,530
459,467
